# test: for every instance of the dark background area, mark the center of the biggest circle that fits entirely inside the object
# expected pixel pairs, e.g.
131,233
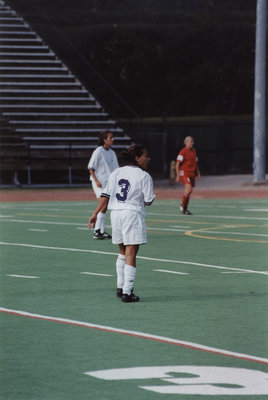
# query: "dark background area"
172,57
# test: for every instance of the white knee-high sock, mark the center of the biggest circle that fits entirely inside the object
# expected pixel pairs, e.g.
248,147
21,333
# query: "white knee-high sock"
130,275
102,222
98,222
120,266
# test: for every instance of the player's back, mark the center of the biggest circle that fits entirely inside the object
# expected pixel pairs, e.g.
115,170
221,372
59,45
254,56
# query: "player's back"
129,187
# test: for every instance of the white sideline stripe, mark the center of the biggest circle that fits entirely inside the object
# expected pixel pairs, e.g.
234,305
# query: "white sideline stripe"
142,335
165,229
171,272
23,276
93,273
256,209
140,257
38,230
207,216
6,216
180,226
230,217
232,272
43,222
235,233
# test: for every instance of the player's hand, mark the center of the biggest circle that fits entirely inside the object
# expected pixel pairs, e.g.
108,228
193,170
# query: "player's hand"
98,184
92,221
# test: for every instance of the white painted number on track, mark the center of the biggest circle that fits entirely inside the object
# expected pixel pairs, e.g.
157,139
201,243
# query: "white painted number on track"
196,380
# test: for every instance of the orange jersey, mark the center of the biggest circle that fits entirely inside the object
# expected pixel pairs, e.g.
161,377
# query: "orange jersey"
188,160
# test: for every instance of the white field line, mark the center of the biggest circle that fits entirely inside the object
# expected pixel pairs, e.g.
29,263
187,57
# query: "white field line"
206,216
23,276
44,222
232,272
38,230
231,217
180,226
162,260
235,233
142,335
257,209
171,272
93,273
165,229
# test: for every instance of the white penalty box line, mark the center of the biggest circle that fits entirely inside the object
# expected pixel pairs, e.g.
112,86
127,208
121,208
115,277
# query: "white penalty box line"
142,335
162,260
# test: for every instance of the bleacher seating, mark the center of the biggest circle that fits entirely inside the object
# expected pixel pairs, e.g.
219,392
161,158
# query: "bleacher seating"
45,110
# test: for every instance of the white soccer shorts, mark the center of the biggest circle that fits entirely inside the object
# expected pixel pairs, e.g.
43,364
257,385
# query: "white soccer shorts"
128,227
97,190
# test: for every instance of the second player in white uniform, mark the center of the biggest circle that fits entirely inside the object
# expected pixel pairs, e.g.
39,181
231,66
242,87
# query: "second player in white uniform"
128,190
102,162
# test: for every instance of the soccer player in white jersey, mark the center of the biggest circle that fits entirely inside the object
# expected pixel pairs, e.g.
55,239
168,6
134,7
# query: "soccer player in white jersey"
102,162
128,190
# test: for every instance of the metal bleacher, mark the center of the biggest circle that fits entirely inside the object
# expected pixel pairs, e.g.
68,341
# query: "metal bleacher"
48,119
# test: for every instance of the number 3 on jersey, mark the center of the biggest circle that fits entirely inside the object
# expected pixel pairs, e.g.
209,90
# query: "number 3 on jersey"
124,186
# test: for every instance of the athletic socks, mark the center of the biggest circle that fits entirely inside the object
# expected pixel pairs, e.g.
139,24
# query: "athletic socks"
101,222
129,279
185,201
120,265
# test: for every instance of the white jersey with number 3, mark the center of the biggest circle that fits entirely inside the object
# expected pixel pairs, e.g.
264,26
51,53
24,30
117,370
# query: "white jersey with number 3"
129,188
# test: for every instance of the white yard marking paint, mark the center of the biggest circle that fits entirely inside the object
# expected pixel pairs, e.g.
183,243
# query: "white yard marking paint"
191,379
171,272
82,229
38,230
232,272
162,260
256,209
44,222
6,216
234,233
142,335
165,229
206,216
230,217
23,276
93,273
180,226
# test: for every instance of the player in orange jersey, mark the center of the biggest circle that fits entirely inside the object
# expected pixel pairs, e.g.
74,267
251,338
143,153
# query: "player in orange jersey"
186,169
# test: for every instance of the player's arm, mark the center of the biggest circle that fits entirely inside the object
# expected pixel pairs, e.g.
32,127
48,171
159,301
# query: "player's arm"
92,173
148,190
103,201
178,163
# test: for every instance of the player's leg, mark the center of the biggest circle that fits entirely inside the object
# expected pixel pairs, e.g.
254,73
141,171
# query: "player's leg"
97,231
100,226
130,274
102,216
120,267
186,197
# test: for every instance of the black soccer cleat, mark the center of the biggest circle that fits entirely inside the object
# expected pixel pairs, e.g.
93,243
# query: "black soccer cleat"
106,235
187,212
126,298
119,293
98,235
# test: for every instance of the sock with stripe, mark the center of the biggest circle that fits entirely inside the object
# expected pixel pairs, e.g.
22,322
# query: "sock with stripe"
130,274
120,266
